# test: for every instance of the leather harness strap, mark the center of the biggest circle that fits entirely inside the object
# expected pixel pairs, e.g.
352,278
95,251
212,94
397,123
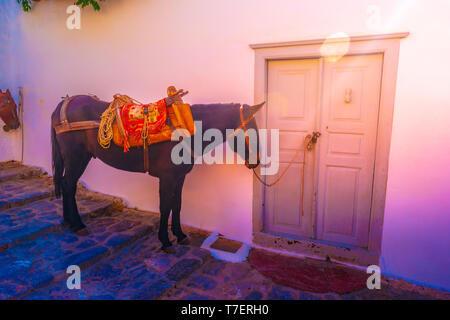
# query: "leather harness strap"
79,125
63,111
244,127
66,126
144,138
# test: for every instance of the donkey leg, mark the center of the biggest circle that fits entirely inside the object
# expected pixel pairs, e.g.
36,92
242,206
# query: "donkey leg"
176,209
166,191
70,211
73,171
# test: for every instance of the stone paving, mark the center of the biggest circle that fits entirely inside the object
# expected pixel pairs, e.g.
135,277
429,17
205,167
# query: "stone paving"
20,191
10,170
36,219
38,262
120,258
140,271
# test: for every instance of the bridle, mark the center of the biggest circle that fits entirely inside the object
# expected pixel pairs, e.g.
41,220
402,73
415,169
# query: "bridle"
243,126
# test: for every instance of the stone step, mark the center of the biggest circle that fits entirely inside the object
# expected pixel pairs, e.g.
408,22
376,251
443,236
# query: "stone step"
43,261
19,172
9,164
39,218
18,192
140,271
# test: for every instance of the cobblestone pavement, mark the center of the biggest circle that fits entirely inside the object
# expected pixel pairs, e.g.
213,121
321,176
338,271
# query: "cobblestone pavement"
120,258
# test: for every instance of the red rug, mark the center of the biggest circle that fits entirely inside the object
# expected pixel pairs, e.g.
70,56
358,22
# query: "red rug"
308,274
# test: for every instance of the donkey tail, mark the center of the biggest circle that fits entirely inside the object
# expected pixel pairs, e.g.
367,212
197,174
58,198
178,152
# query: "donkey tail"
57,164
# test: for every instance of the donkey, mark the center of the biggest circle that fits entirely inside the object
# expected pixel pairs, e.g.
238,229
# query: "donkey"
8,111
72,151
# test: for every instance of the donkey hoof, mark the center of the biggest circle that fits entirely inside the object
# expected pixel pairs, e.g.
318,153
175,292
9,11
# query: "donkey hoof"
169,250
82,232
65,224
185,241
78,226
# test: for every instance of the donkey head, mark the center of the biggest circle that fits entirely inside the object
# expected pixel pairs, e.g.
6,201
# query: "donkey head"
247,135
8,111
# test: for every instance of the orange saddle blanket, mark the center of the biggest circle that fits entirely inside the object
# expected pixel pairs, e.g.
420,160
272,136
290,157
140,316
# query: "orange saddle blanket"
135,124
152,116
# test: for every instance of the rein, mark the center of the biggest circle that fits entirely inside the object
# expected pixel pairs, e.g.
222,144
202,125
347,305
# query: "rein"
307,145
306,142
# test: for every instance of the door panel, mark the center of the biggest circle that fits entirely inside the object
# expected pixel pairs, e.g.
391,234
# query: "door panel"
342,185
292,106
339,170
347,148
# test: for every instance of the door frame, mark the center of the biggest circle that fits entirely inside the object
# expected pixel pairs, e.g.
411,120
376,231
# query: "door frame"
389,46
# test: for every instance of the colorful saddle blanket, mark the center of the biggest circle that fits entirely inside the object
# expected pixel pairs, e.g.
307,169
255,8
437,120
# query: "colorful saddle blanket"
152,116
136,125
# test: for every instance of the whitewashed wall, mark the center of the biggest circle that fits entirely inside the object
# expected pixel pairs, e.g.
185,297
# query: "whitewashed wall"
141,47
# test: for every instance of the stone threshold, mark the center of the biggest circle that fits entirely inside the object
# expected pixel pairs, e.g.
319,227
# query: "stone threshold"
316,249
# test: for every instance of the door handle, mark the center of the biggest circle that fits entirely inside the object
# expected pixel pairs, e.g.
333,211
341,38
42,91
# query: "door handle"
315,135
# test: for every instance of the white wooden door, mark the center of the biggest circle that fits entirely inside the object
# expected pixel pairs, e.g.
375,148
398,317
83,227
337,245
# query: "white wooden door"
339,170
292,108
351,99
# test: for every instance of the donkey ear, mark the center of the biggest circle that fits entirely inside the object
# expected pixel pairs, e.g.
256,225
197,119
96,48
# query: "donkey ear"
254,109
7,92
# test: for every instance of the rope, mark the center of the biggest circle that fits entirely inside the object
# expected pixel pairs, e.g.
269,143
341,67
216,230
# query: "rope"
306,143
105,132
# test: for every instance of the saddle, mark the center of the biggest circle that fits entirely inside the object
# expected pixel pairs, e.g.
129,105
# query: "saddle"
129,123
140,125
136,123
